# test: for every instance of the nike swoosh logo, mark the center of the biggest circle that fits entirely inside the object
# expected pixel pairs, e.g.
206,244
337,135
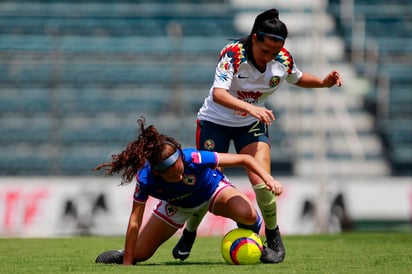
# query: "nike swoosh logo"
182,252
242,77
257,134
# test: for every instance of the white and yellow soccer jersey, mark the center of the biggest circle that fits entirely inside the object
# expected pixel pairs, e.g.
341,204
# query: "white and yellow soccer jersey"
243,81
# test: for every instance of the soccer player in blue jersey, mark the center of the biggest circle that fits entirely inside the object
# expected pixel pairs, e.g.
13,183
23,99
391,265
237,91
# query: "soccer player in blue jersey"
187,183
249,70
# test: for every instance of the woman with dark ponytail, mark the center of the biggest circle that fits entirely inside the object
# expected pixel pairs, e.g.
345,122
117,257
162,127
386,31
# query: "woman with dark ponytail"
249,70
187,184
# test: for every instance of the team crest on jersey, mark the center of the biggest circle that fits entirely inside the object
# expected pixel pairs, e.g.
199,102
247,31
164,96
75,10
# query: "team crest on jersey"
274,81
209,144
189,179
170,210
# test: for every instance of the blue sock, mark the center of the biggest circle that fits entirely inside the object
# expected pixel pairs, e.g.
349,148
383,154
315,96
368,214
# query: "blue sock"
255,227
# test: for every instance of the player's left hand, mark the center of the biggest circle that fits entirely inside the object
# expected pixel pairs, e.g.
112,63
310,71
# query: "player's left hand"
333,78
275,186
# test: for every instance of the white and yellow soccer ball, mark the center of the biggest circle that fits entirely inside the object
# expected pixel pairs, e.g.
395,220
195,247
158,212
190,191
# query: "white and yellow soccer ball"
241,246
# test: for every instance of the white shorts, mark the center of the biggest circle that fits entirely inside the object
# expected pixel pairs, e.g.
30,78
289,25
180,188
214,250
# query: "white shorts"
176,216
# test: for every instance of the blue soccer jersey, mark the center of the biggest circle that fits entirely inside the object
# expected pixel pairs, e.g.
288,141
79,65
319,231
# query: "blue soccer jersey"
200,179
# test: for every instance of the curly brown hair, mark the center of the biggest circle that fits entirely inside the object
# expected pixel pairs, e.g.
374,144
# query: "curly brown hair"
150,146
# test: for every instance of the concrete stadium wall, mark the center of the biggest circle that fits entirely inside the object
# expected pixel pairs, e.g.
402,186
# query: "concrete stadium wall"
65,206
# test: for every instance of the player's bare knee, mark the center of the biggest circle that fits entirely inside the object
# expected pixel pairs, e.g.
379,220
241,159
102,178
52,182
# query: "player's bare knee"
142,255
248,216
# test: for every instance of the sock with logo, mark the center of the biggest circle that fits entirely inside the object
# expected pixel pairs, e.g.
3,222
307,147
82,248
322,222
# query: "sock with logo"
266,201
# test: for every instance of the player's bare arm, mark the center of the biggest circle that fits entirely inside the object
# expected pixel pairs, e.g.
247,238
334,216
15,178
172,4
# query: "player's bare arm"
135,222
310,81
230,160
222,97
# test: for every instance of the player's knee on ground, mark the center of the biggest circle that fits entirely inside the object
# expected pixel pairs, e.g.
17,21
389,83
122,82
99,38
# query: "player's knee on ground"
143,254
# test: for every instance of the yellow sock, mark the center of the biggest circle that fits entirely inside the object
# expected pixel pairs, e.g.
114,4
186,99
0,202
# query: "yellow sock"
266,201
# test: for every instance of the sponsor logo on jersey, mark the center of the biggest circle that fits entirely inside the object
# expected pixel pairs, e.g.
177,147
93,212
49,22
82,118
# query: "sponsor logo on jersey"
250,97
222,77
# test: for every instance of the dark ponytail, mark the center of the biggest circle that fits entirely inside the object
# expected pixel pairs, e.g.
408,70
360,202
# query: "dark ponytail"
268,22
150,146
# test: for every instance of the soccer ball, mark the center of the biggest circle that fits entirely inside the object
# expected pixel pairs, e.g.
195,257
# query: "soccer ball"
241,246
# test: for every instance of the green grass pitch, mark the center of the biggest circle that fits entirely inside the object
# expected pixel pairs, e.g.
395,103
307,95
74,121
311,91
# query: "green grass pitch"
340,253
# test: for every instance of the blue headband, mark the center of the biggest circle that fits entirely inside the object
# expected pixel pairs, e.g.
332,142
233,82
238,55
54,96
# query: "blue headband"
169,161
274,36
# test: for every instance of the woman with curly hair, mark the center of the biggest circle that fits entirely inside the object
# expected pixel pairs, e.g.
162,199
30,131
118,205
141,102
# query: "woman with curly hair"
187,183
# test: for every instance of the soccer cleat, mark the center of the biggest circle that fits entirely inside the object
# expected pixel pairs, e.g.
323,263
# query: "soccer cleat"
111,257
275,252
269,256
184,245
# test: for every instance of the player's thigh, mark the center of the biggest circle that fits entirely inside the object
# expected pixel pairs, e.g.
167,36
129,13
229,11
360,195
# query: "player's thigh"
253,133
151,236
232,203
261,153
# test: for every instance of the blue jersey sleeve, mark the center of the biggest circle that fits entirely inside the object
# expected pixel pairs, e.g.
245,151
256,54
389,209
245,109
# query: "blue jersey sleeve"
208,159
140,194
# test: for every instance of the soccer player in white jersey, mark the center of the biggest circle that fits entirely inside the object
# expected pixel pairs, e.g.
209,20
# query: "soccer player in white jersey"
249,70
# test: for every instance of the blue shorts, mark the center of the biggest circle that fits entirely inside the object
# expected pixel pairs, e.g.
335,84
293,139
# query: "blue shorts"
214,137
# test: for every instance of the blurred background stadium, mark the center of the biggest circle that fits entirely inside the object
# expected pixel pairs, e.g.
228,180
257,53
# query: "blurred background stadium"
76,75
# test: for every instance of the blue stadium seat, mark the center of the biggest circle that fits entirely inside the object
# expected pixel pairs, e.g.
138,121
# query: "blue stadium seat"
388,25
68,65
